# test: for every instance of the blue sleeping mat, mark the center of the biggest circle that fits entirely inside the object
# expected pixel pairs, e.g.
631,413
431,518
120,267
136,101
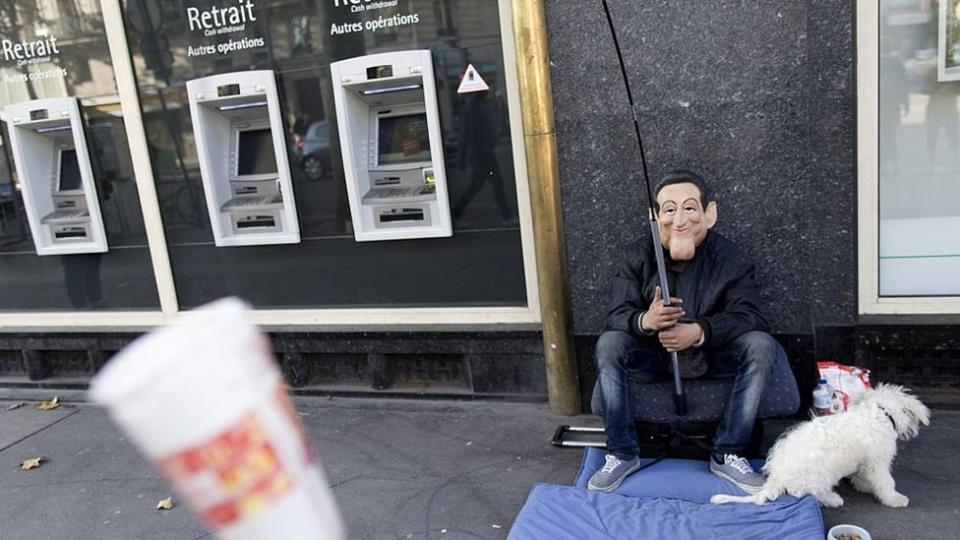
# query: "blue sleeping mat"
668,500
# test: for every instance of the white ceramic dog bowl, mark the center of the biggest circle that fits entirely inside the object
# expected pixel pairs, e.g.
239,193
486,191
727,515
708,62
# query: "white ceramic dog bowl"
847,529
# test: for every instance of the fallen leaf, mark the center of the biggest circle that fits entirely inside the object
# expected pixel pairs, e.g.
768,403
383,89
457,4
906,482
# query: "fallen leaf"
32,463
165,504
16,405
47,405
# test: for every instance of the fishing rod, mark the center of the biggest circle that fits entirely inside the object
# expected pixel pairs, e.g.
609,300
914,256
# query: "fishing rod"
679,398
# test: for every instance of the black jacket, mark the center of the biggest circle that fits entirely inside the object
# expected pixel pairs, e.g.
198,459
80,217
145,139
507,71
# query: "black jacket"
717,287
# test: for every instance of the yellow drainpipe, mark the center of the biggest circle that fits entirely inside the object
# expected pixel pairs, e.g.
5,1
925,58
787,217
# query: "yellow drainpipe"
540,143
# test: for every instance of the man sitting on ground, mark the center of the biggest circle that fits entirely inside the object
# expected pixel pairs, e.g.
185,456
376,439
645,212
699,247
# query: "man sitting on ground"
714,314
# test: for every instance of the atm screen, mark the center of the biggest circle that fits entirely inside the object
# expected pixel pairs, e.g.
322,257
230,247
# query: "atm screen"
255,153
403,139
69,178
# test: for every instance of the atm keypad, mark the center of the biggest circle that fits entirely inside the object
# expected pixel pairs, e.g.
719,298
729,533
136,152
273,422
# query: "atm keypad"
402,191
67,214
247,202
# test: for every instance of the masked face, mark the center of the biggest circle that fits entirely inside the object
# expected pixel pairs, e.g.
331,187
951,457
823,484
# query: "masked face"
683,220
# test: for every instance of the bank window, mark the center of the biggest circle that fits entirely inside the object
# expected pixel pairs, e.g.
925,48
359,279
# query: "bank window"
72,235
919,148
304,245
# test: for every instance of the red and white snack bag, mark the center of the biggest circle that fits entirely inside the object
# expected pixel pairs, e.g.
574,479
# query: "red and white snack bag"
847,381
203,399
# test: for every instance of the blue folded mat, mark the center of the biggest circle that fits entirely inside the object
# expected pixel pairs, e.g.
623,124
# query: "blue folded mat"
667,500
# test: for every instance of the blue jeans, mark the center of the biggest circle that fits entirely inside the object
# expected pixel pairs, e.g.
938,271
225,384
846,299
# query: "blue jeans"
621,358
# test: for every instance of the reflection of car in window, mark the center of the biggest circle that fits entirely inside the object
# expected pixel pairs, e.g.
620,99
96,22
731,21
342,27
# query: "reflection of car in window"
314,150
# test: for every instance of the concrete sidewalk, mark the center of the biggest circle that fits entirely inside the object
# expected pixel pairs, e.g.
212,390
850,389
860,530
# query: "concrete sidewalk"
400,469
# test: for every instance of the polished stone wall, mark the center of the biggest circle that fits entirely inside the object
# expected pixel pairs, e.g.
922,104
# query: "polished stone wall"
757,96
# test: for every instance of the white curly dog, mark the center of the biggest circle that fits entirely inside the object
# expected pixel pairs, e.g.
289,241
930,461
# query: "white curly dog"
860,443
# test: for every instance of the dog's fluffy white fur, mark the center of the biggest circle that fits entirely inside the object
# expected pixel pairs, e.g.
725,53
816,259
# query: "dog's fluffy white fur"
860,443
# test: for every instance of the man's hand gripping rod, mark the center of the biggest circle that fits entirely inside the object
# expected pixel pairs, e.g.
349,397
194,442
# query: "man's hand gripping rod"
679,398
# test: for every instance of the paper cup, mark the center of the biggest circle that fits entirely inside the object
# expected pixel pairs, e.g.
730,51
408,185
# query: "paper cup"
203,399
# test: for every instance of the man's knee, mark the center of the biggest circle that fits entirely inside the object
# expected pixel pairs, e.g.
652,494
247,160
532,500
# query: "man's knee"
611,348
759,350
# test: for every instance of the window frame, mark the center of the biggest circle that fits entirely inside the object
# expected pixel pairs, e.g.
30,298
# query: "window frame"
868,181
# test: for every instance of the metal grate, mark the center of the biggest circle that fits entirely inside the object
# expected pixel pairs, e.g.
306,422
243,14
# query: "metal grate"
429,370
67,363
327,368
11,363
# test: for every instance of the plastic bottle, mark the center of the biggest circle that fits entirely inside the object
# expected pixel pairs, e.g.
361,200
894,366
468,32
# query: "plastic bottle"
823,398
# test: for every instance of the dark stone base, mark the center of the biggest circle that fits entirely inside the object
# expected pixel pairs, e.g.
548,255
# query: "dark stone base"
462,365
919,357
497,365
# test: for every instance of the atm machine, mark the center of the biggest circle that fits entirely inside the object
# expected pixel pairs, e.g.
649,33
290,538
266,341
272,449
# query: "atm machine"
391,144
243,158
56,179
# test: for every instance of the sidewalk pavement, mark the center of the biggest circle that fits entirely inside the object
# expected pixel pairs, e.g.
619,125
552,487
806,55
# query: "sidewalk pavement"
399,468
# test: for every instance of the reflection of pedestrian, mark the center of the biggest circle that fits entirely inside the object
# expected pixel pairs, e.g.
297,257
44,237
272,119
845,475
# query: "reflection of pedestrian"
479,132
82,277
941,115
300,125
300,38
894,102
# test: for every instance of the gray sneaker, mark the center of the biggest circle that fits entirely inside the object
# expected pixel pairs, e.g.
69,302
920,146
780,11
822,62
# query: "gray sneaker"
738,470
611,475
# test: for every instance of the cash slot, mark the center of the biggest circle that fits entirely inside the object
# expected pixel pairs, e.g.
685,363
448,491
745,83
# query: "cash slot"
406,214
70,233
61,235
259,221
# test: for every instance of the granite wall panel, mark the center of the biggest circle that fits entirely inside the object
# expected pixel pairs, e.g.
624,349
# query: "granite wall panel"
757,96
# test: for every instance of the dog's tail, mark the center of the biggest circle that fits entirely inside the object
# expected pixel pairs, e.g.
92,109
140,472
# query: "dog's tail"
768,492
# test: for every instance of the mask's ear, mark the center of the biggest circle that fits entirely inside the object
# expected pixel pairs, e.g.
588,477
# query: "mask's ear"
711,214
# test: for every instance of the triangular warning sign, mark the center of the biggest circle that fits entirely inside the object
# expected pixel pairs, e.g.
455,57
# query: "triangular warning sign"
472,82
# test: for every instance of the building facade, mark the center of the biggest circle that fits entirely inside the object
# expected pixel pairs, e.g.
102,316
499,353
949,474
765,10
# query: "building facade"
833,162
822,127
